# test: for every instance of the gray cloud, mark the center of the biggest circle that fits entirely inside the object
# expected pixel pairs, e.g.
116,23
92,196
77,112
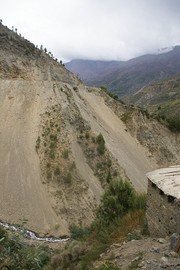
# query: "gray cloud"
96,29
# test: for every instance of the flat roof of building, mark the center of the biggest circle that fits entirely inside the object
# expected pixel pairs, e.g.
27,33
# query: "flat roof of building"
167,179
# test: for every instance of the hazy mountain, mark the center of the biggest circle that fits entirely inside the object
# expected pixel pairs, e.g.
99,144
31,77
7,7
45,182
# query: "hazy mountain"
162,99
128,77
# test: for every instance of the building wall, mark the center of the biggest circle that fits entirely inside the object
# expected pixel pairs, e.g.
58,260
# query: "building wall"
162,212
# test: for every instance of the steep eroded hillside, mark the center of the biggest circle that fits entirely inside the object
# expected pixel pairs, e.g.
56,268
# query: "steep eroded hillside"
61,143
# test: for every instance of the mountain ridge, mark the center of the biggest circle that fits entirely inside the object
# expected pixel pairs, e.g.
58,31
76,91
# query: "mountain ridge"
124,78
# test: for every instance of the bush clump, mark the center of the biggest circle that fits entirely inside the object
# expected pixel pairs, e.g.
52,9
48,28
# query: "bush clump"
174,124
118,200
17,254
101,144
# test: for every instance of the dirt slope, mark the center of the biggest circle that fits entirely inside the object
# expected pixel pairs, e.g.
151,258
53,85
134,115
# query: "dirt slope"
51,172
22,193
121,144
23,196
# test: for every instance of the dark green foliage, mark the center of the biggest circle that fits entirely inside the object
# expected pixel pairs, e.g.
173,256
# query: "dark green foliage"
53,137
125,117
100,139
133,236
115,218
16,254
144,112
68,178
87,135
111,94
53,144
104,88
52,154
3,234
57,171
140,201
48,165
174,124
38,141
109,177
101,144
65,154
117,201
78,232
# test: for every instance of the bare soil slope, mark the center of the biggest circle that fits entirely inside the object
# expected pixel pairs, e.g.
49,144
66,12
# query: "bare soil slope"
23,195
51,172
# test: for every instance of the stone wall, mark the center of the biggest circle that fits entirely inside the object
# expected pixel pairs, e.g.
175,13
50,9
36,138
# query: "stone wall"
163,212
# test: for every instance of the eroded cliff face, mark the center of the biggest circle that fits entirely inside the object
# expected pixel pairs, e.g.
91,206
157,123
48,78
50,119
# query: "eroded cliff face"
52,173
161,145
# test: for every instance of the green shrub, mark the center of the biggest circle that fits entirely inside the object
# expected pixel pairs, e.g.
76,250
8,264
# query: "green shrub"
133,236
140,201
174,124
117,201
57,171
101,144
3,234
109,177
53,137
65,154
125,117
52,145
38,141
104,88
68,178
87,135
16,254
52,154
119,198
78,232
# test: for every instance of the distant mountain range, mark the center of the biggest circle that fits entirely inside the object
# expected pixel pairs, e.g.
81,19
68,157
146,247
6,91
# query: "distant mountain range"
126,77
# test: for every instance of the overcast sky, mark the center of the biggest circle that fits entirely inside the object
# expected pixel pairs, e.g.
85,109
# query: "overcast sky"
95,29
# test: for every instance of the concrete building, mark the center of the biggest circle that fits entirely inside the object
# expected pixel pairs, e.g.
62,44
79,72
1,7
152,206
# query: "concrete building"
163,201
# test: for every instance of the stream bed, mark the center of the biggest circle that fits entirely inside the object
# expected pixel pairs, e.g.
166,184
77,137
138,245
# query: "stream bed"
31,235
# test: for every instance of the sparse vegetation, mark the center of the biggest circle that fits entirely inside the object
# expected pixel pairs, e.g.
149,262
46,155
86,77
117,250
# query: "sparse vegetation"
111,94
57,171
174,124
118,200
38,141
134,264
17,254
68,178
78,232
65,154
120,211
101,144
